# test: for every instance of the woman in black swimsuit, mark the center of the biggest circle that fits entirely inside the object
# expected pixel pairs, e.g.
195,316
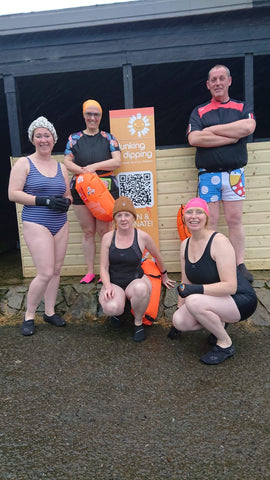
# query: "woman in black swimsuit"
212,293
92,151
120,267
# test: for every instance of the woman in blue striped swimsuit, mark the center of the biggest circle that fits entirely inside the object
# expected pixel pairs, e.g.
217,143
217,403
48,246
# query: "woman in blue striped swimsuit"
41,184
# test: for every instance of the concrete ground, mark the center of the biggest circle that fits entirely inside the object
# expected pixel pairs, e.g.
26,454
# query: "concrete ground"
86,402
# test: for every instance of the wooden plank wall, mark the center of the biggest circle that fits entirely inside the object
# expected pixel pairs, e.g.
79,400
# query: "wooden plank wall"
176,184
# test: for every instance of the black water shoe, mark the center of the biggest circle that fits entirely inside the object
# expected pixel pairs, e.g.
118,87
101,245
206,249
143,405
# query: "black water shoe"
217,355
28,327
173,333
115,322
54,320
139,334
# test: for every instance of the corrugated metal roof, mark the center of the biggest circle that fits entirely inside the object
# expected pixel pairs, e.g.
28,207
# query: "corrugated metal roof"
136,11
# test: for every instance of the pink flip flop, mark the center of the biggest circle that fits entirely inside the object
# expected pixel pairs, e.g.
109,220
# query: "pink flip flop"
89,277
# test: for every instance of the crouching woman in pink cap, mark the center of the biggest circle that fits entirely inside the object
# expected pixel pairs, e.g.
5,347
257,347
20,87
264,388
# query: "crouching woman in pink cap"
213,293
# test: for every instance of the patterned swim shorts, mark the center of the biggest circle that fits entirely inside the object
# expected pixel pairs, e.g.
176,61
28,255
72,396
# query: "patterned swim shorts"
215,186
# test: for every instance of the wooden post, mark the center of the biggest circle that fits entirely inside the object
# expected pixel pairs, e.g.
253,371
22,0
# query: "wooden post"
10,91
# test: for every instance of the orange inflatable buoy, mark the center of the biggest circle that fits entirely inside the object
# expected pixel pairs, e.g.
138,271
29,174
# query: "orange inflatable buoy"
152,271
95,195
181,226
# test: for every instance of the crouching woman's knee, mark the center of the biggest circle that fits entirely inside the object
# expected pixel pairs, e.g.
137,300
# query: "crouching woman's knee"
111,307
141,290
194,304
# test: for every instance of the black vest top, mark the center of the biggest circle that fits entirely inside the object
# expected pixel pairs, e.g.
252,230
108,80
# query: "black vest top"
125,263
205,269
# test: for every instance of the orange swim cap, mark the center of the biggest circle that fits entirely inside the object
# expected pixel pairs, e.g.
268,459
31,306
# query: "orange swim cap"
91,103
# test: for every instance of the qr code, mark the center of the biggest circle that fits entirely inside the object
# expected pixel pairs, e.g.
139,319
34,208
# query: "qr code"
138,186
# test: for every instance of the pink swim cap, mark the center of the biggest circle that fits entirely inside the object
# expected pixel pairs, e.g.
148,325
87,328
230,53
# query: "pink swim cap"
197,203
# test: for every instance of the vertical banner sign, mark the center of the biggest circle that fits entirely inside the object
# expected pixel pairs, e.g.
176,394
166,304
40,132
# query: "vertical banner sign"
135,131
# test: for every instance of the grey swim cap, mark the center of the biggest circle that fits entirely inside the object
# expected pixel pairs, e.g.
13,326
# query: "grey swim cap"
41,122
